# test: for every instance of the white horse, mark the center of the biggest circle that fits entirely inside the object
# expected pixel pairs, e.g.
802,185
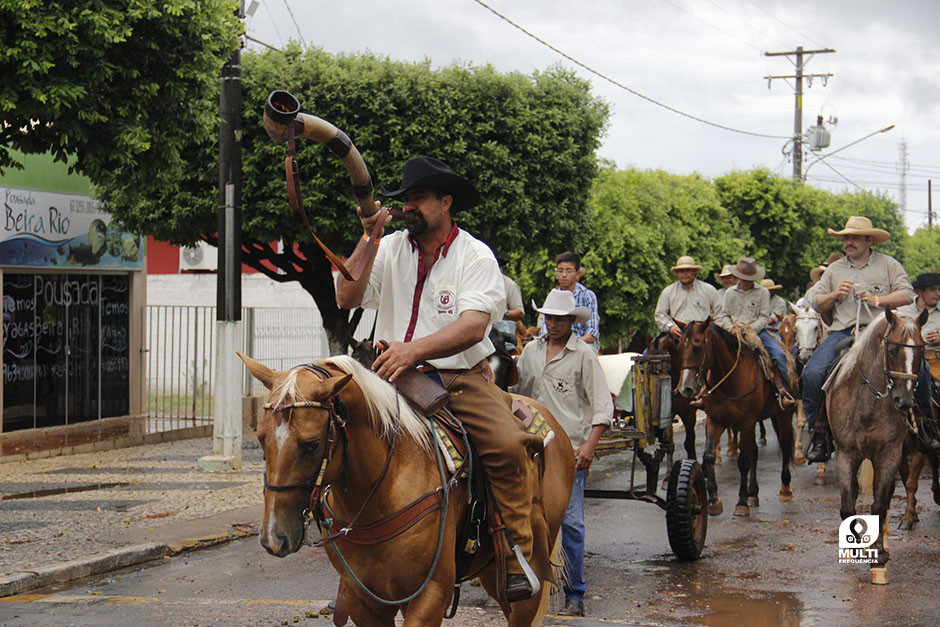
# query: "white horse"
810,331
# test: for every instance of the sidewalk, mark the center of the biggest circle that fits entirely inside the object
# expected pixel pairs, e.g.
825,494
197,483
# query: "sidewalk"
71,516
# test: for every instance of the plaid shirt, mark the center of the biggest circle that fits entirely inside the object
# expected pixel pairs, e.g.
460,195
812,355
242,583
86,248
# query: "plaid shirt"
583,297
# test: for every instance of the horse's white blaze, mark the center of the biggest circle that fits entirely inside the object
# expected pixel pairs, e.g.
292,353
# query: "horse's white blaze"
281,434
272,521
909,359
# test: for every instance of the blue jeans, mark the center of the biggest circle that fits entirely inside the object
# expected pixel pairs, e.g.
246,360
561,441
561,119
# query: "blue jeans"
572,540
775,351
814,374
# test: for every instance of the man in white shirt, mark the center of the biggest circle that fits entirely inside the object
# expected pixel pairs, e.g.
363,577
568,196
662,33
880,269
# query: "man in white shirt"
562,372
438,290
927,288
685,300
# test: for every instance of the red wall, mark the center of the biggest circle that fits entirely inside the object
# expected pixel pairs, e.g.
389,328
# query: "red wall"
163,258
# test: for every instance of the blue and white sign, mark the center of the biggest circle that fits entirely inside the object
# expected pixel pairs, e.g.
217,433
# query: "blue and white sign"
54,230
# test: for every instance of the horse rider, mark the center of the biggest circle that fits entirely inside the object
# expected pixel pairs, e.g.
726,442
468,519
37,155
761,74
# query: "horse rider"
726,279
855,289
685,300
437,290
778,306
927,288
749,304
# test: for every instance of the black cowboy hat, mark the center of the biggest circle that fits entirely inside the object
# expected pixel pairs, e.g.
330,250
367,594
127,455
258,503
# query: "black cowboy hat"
926,280
429,172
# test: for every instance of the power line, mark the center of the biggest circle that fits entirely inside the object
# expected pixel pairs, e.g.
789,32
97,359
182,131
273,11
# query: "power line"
757,30
784,23
621,85
717,28
296,25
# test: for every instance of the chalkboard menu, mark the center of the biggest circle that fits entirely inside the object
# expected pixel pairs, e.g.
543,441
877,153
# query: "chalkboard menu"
65,348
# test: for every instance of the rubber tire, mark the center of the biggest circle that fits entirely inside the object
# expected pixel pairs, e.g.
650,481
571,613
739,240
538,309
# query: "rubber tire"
686,510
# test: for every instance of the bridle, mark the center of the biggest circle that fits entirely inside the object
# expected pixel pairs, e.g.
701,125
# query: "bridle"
890,375
819,329
701,380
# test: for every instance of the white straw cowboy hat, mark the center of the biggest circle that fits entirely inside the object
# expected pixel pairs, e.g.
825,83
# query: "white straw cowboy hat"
685,263
770,285
747,270
725,271
858,225
561,303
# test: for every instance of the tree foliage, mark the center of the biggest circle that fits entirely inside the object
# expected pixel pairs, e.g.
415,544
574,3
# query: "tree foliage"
526,142
118,88
922,252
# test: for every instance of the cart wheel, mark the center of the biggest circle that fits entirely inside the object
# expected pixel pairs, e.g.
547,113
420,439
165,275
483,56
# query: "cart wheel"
686,513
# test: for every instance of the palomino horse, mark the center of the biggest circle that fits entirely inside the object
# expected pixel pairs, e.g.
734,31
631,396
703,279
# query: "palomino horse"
869,398
337,426
809,331
726,371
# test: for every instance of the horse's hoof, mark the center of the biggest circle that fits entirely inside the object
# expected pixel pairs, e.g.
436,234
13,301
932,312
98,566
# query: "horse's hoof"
820,478
762,441
879,576
785,494
798,459
906,524
715,508
742,510
753,501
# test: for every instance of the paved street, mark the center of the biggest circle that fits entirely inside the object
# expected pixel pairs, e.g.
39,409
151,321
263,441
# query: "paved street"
778,567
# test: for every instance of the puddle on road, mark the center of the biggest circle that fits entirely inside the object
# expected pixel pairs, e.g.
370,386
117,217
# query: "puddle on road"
66,490
771,609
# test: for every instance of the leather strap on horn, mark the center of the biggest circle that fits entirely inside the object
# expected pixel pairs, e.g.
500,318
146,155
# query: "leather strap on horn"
292,173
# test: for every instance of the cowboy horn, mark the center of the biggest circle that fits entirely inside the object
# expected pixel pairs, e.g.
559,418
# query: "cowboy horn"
282,110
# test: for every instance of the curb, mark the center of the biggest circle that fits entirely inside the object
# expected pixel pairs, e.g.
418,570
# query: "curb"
19,583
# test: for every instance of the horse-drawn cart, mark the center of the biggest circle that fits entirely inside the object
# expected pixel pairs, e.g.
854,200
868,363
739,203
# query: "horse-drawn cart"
642,388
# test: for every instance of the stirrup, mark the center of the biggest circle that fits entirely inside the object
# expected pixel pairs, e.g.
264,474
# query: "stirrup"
782,398
534,584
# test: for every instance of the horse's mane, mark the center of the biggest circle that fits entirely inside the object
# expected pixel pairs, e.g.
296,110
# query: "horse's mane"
872,333
388,411
729,338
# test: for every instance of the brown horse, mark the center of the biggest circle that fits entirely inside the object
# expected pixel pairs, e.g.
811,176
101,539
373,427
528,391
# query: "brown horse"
666,344
869,398
725,371
337,426
910,475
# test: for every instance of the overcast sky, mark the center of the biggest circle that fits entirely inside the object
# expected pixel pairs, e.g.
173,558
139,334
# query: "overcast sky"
702,57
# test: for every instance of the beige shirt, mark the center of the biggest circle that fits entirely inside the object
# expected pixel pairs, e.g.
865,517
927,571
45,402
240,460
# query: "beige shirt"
933,318
778,309
752,307
880,275
571,385
685,305
513,295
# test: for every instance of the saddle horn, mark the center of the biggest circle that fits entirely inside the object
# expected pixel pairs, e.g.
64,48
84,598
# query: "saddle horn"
282,110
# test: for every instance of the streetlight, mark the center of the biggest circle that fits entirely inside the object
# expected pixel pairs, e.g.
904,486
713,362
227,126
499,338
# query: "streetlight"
821,157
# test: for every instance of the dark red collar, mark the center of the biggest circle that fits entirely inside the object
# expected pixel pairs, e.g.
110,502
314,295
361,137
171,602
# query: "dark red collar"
443,248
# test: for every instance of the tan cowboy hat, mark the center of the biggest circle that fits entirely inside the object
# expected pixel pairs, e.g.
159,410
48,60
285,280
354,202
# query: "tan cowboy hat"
816,273
858,225
686,263
769,284
747,270
561,303
725,271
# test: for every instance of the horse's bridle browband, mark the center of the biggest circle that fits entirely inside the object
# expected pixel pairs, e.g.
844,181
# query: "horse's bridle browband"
890,375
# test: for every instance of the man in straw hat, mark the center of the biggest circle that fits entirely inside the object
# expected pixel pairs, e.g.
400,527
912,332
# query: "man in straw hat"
726,279
749,304
563,373
855,288
438,290
778,306
927,288
685,300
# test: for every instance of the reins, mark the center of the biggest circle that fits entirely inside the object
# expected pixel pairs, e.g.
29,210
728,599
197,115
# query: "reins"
889,375
714,388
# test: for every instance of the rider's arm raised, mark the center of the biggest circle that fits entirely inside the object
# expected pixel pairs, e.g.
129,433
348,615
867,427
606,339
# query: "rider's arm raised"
349,293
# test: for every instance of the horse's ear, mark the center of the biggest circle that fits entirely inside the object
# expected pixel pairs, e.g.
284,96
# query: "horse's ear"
335,384
258,370
922,318
679,324
793,308
889,316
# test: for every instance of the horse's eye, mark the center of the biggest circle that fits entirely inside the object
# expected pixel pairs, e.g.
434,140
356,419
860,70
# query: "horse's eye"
310,446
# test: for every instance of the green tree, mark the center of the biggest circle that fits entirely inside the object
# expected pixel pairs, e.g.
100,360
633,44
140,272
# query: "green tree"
118,88
640,222
527,143
922,252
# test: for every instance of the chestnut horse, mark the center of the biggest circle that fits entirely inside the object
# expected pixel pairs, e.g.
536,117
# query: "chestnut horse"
666,344
335,424
869,398
725,371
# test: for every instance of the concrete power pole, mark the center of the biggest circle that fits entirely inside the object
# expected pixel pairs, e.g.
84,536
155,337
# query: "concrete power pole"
227,423
799,63
902,187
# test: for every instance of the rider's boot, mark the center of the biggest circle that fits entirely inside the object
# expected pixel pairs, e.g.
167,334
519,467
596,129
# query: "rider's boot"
524,585
819,452
783,396
925,440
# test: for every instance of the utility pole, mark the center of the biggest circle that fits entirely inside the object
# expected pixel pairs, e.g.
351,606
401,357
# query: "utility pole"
929,204
227,422
905,166
799,64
